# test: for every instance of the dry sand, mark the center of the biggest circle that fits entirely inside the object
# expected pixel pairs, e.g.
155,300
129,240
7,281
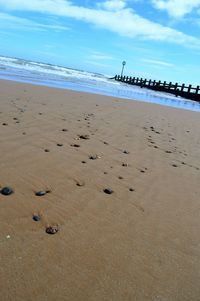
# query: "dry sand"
129,245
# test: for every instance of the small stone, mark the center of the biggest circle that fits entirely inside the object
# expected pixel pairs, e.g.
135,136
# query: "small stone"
64,130
85,137
40,193
8,236
59,144
108,191
4,124
47,150
7,191
131,189
84,162
75,145
168,152
93,157
106,143
36,218
105,173
52,230
80,183
174,165
124,164
120,178
125,152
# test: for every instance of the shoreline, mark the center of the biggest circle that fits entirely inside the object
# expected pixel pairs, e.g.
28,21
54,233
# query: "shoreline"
144,95
140,242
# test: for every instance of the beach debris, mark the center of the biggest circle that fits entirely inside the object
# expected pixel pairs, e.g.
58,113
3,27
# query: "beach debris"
168,152
106,143
85,137
105,173
174,165
108,190
64,130
59,144
7,190
120,178
36,218
75,145
124,164
52,229
47,150
84,162
8,236
131,189
4,123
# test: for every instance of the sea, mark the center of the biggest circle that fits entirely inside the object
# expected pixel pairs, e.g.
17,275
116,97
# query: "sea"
38,73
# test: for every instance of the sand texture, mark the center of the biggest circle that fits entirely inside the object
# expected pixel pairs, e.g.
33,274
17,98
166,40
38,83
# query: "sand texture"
141,242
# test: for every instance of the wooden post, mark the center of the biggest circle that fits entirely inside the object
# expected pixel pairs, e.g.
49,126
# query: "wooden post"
170,85
164,84
154,82
149,82
175,86
182,87
197,90
189,88
137,79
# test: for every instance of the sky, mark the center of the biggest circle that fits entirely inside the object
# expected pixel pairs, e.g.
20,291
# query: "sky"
158,39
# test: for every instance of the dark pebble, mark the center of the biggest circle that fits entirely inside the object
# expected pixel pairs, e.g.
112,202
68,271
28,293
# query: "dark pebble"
174,165
106,143
59,144
64,130
85,137
108,191
124,164
183,163
168,152
75,145
125,152
7,190
52,230
131,189
4,123
105,173
84,162
36,218
47,150
40,193
93,157
121,178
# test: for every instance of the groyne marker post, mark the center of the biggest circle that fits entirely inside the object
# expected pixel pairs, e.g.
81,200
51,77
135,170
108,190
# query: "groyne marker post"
123,65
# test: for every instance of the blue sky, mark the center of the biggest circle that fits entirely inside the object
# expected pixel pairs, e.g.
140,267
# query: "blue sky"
159,39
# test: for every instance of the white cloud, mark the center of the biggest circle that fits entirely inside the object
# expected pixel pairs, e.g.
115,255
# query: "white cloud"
176,8
157,62
123,21
113,5
100,56
9,21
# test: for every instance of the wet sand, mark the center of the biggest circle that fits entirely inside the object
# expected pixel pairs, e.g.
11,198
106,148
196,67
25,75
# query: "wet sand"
121,187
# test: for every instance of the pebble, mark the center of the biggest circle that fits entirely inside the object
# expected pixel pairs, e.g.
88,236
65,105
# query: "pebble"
52,230
59,144
174,165
108,190
121,178
4,123
47,150
40,193
75,145
64,130
126,152
93,157
7,190
85,137
124,164
36,218
131,189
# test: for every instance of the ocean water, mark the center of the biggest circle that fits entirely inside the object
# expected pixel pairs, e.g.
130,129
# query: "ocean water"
65,78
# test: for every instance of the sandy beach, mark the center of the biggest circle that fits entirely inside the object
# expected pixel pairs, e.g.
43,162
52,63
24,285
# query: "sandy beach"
140,241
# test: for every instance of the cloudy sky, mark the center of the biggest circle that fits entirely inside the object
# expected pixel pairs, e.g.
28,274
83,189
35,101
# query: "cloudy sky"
159,39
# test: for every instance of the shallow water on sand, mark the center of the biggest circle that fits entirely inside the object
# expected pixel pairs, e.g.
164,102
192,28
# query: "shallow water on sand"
66,78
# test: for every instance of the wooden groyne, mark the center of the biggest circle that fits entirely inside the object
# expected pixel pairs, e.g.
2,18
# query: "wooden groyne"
188,92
